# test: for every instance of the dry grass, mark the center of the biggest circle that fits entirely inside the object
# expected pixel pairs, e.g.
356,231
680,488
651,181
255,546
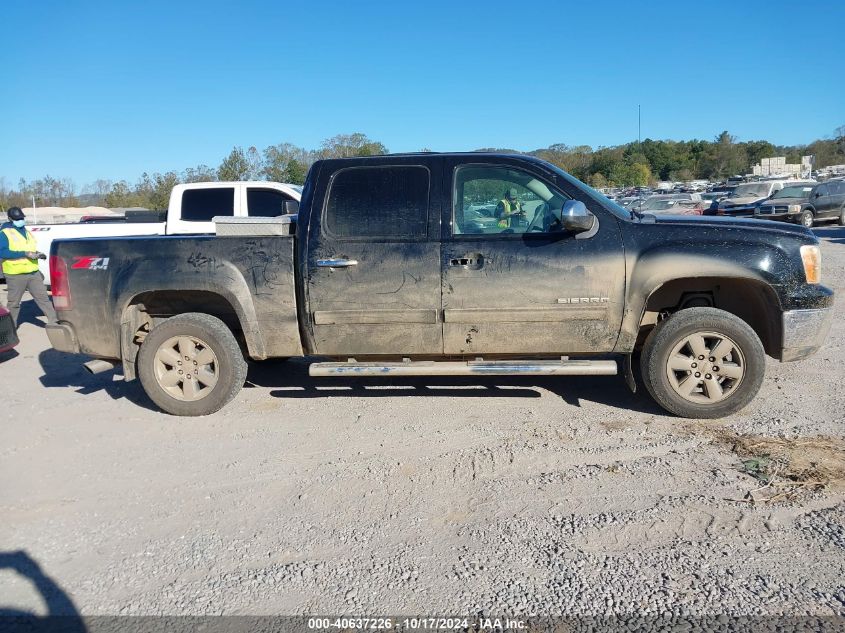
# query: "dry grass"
786,467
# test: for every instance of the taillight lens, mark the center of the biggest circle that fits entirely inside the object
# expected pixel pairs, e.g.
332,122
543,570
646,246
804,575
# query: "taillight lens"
59,286
811,256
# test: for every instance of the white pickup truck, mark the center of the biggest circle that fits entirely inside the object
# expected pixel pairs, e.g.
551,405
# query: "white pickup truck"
190,211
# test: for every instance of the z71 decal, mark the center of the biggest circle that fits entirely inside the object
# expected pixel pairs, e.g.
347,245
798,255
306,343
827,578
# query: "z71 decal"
91,263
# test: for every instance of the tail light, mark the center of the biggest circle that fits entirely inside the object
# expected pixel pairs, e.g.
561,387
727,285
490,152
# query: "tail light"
59,286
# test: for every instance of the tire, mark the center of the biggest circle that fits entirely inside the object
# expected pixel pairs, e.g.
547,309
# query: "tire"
716,389
206,345
842,216
806,218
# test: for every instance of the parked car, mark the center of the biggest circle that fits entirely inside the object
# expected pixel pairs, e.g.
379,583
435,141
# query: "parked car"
826,203
746,197
672,204
662,202
383,276
789,204
190,211
8,333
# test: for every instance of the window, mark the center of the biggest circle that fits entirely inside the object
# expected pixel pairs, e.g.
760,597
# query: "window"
378,202
836,188
501,200
266,203
200,205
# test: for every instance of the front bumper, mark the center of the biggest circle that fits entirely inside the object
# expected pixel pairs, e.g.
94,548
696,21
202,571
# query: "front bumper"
62,337
804,332
778,217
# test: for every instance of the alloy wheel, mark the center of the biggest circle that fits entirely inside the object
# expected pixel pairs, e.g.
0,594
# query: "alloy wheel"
186,368
705,367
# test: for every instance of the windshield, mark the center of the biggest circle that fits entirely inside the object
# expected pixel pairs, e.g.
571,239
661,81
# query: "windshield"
802,191
658,204
751,190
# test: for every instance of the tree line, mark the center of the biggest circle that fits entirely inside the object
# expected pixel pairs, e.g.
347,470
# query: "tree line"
631,164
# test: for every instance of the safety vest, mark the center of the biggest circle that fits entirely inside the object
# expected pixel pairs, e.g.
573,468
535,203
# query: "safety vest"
505,222
18,242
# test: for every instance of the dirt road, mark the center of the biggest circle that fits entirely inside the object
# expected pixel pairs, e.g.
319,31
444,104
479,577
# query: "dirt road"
519,496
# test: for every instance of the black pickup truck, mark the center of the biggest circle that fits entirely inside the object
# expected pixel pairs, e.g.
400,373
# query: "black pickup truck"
449,264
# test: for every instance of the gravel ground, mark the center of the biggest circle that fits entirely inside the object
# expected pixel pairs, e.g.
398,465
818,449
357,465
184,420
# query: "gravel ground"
518,496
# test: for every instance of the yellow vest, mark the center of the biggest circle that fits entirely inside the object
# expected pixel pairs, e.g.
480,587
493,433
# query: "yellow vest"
18,242
506,206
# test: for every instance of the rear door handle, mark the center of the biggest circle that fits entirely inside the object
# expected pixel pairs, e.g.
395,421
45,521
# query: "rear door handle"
337,263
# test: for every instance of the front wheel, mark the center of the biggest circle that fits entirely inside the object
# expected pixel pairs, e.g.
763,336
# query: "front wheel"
191,364
703,363
806,218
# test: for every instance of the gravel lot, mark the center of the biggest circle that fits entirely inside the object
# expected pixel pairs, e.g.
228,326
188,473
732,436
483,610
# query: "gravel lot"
501,496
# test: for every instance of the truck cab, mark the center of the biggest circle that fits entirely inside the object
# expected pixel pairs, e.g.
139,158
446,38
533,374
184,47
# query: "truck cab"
193,205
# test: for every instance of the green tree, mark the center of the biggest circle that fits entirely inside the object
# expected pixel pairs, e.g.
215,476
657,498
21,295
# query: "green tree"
286,163
598,180
348,145
162,185
235,166
296,172
200,173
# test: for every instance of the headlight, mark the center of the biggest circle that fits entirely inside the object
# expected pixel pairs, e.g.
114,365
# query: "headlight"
794,208
811,256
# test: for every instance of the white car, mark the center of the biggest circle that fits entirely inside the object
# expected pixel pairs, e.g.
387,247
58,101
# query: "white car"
190,211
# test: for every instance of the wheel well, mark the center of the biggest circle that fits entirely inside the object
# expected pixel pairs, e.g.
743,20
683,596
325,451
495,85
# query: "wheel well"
148,309
752,301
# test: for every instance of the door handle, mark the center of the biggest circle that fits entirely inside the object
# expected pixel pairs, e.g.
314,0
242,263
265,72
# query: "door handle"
472,261
337,263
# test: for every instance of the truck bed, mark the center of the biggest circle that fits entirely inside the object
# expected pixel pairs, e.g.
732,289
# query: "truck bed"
252,276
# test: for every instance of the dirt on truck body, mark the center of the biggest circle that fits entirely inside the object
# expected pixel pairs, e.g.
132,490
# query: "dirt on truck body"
455,264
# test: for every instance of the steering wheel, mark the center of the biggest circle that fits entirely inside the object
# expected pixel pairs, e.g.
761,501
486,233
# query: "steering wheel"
538,221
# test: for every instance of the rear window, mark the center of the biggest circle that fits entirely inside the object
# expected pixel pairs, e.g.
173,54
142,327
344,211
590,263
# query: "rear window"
200,205
267,203
390,202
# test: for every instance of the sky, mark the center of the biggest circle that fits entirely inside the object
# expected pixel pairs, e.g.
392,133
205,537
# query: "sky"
112,89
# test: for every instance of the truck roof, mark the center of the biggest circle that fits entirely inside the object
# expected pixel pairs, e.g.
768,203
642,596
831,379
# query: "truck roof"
381,157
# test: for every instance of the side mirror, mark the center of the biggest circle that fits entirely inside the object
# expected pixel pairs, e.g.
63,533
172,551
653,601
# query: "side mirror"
575,217
291,207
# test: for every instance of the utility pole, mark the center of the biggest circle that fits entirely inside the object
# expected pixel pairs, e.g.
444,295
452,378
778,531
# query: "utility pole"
639,128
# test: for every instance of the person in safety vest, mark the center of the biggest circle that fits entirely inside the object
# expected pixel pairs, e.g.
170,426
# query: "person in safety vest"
20,256
509,209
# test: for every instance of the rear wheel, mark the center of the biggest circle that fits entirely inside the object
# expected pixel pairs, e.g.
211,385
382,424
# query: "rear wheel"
703,363
191,364
806,218
842,216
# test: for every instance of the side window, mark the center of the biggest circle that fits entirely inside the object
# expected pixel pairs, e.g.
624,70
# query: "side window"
820,191
836,188
200,205
266,203
389,202
490,200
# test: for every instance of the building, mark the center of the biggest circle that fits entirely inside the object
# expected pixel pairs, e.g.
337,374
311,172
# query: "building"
777,166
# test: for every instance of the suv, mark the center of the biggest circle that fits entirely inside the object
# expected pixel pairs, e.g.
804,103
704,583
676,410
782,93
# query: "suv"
827,202
789,204
806,203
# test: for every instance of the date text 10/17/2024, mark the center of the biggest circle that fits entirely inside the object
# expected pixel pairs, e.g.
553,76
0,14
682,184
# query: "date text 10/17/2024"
416,624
